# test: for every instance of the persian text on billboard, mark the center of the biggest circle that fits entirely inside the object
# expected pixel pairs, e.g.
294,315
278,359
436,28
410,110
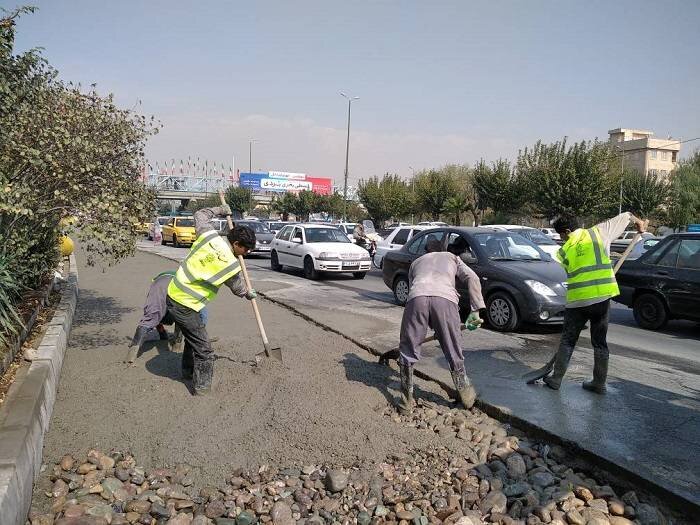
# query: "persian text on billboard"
285,185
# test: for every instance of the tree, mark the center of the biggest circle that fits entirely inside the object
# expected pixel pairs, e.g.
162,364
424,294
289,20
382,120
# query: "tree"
65,151
684,190
240,199
498,187
385,198
433,188
284,205
305,204
454,207
644,194
567,180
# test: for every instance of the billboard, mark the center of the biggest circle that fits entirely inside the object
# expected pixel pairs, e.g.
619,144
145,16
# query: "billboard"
282,181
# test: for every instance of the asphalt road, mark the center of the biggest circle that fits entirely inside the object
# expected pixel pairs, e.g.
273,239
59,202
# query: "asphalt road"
678,345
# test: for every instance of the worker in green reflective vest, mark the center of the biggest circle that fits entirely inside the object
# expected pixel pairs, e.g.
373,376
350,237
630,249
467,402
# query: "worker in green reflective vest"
211,262
591,284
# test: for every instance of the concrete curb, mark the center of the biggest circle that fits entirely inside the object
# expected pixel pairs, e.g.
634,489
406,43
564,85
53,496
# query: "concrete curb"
26,414
623,476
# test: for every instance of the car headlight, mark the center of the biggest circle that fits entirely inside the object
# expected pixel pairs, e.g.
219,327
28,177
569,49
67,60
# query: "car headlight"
541,288
329,256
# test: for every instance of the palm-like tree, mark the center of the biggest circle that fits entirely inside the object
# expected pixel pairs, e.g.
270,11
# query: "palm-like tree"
455,206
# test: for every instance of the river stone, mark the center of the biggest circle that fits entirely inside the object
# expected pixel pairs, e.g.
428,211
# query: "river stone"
363,518
159,511
67,462
583,493
647,515
542,479
594,514
574,518
224,521
73,511
281,514
616,507
516,489
201,520
494,502
404,515
141,506
619,520
121,474
599,504
246,518
180,519
111,485
102,510
336,480
215,509
60,488
381,511
516,466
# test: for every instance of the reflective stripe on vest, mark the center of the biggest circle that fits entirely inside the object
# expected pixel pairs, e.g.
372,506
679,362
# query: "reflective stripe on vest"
208,265
588,268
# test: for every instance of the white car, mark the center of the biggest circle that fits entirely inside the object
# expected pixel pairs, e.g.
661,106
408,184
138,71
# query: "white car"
395,240
534,235
318,248
551,233
434,223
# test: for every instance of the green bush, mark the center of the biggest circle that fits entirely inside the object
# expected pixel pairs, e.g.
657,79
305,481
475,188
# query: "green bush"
10,290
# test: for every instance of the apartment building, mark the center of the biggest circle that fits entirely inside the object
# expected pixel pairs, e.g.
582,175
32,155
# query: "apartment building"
644,153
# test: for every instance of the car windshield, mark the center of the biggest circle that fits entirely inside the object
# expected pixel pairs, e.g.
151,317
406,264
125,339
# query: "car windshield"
257,227
506,246
185,223
325,235
537,237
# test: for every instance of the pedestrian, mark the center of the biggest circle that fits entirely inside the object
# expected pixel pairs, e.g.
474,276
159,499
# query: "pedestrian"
433,301
211,262
157,232
590,285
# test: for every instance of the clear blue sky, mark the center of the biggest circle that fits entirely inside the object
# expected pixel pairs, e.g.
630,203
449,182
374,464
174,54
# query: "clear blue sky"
439,81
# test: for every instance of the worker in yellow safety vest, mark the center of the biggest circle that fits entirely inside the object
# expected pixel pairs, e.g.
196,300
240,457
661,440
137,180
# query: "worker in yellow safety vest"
590,285
211,262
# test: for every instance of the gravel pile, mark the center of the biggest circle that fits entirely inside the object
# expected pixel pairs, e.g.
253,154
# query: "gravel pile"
497,478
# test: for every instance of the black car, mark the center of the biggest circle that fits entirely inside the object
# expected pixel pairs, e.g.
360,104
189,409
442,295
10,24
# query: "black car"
664,283
519,281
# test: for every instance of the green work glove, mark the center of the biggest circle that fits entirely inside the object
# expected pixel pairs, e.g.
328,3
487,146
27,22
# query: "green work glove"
473,321
251,294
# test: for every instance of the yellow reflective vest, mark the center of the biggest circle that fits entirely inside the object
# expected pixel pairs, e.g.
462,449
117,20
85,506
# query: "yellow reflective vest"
588,268
208,265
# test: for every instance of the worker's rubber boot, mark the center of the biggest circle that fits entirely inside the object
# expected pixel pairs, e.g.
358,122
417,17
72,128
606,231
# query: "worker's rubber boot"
465,390
405,405
139,336
600,375
202,377
187,363
561,363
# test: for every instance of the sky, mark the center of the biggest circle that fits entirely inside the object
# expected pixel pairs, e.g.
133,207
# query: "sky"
439,81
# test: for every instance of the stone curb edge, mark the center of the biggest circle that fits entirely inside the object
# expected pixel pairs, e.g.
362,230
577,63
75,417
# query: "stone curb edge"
670,496
26,414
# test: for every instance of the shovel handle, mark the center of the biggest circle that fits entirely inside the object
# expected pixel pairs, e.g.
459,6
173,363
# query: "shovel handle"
244,270
629,249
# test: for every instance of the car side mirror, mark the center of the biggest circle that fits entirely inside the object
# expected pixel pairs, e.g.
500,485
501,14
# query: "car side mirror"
468,258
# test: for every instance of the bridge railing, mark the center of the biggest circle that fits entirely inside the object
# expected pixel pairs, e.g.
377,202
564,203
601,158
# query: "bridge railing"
188,183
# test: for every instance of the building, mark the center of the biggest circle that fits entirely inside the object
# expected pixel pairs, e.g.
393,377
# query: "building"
644,153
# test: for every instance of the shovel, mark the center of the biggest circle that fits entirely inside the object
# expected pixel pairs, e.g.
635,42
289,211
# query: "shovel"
535,375
275,353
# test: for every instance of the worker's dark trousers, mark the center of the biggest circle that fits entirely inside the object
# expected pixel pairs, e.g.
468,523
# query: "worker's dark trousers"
198,356
574,321
438,313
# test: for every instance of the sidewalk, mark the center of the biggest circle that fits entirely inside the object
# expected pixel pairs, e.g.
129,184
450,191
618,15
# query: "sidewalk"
648,432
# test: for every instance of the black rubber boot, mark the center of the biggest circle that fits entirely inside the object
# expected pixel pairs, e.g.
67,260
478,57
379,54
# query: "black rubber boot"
561,363
202,377
406,402
139,336
187,363
600,375
465,390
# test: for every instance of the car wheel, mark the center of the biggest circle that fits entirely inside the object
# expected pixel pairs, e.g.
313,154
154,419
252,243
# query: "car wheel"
401,290
359,275
650,311
374,262
501,312
163,241
309,270
275,265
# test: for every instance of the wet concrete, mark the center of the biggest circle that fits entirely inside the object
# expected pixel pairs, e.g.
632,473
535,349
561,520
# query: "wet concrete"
648,424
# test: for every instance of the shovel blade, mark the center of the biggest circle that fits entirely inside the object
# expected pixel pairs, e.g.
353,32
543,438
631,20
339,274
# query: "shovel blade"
273,353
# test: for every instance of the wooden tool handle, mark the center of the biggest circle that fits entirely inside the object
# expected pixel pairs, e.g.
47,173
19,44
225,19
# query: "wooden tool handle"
629,249
244,270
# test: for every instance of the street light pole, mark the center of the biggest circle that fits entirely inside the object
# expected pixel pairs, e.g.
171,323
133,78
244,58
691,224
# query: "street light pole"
622,175
347,158
413,191
250,155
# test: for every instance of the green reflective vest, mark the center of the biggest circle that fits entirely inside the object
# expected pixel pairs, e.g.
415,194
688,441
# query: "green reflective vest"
208,265
588,268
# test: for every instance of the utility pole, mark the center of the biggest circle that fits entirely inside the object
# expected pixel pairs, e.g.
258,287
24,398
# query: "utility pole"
347,157
413,191
250,155
622,175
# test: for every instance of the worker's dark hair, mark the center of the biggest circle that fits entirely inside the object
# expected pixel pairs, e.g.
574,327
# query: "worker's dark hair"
565,222
458,246
243,235
433,245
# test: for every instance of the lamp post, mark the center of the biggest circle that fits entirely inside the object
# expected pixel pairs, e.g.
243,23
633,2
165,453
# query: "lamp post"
413,191
622,174
250,154
347,157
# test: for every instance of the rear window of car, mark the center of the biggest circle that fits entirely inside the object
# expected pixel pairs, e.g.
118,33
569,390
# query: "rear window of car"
257,227
185,223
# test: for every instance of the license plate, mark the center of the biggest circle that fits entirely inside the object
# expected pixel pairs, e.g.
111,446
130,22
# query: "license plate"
263,248
351,265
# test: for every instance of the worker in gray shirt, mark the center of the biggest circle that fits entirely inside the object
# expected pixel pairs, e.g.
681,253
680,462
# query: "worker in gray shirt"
433,302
